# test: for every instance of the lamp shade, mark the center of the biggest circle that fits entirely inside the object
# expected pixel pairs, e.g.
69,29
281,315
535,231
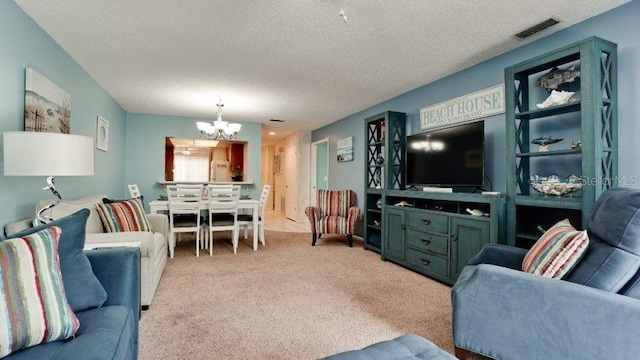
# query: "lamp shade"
30,153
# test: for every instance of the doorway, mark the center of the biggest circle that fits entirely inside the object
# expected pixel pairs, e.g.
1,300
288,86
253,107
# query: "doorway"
319,167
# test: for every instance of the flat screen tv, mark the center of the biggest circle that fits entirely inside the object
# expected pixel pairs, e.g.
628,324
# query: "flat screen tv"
449,157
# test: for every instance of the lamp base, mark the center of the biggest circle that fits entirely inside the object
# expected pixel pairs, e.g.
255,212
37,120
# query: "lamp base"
47,219
42,219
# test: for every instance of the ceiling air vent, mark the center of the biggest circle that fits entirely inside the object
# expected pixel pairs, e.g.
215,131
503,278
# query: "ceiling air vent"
536,28
277,120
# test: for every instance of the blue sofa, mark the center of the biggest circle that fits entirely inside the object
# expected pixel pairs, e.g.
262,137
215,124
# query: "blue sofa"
593,313
109,331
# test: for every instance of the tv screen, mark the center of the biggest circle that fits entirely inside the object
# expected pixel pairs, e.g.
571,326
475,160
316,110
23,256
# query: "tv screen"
447,157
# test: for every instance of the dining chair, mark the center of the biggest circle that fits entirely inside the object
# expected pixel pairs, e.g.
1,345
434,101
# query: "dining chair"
246,220
223,212
184,213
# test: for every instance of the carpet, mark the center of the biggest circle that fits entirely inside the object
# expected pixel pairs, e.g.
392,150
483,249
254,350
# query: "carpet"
288,300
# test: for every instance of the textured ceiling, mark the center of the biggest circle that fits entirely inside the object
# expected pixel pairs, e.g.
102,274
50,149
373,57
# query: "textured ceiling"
294,60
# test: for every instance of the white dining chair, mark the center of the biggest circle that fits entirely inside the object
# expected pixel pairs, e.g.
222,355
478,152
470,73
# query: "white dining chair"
246,220
184,213
223,212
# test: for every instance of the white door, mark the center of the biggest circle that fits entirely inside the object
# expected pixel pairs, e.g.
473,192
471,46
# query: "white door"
291,183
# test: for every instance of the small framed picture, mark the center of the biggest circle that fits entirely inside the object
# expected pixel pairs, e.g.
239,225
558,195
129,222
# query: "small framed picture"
102,134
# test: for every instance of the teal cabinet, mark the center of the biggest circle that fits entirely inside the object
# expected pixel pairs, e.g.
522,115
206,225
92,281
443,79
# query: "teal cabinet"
435,235
394,244
384,170
468,236
591,119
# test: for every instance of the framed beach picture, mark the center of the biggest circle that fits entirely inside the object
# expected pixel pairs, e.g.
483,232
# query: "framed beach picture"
47,108
345,149
102,134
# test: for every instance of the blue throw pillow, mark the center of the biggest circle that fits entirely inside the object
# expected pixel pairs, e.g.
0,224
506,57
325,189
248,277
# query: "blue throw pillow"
82,287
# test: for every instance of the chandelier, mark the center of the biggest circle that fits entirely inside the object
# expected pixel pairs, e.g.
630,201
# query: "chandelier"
219,130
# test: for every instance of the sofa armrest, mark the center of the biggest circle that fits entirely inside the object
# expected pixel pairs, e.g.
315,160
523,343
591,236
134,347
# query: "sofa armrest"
118,270
504,313
159,223
17,226
500,255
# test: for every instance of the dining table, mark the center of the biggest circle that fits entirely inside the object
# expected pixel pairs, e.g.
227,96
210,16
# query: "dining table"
158,206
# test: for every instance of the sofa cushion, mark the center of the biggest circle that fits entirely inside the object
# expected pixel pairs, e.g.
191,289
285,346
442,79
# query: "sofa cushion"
104,333
557,251
34,308
613,256
66,207
82,287
122,216
405,347
146,240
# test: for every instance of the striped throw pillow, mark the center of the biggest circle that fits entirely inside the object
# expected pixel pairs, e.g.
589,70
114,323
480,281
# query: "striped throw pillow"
557,251
33,304
126,215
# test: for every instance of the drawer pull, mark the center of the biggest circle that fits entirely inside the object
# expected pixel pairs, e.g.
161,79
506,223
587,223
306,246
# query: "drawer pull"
426,241
425,262
426,221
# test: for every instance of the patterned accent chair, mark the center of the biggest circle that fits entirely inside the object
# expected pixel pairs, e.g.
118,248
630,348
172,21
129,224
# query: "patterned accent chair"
334,213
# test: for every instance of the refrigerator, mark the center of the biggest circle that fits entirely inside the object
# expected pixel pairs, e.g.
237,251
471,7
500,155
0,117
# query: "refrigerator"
220,170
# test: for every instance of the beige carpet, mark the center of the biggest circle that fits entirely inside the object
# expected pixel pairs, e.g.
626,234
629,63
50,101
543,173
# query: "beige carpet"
288,300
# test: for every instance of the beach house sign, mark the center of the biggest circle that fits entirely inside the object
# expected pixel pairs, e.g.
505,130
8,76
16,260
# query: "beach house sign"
479,104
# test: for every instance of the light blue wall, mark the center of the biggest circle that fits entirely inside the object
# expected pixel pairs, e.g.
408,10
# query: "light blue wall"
619,26
24,44
145,149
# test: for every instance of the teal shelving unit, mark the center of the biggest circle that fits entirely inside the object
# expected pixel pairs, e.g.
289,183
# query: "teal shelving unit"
592,118
384,169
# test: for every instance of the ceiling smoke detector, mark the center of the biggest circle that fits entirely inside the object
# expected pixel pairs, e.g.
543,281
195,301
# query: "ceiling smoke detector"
536,28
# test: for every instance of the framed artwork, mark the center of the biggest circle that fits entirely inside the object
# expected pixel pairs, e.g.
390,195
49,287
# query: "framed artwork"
345,149
102,134
47,108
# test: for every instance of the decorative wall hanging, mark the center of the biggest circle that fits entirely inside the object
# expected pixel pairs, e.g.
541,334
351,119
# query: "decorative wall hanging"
102,134
47,108
476,105
345,149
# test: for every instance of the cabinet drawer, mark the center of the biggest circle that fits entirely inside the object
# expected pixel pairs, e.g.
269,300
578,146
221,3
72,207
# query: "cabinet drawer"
427,221
428,263
423,241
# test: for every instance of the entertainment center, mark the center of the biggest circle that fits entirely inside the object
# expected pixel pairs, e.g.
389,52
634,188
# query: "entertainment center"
433,233
436,233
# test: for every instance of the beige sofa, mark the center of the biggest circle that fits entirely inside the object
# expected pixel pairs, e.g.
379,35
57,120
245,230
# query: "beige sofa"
153,245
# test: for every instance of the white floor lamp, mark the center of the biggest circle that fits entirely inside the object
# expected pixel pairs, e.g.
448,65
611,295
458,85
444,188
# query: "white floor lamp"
29,153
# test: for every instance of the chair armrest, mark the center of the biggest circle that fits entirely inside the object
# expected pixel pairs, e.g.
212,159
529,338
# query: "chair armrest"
504,313
313,213
353,215
500,255
159,223
118,270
